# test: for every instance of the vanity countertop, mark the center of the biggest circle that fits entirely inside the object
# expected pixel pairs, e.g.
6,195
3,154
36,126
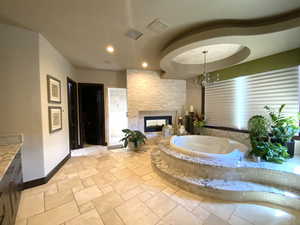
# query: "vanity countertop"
9,147
7,155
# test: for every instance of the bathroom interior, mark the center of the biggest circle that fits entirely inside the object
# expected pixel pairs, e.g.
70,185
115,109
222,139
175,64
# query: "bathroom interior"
149,113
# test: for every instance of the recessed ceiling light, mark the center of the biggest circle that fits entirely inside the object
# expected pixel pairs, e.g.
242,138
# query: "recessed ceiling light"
144,64
110,49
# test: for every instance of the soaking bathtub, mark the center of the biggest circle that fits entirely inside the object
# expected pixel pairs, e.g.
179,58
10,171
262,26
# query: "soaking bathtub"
208,146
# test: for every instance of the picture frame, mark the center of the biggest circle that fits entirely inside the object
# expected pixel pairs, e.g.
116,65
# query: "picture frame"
55,118
54,89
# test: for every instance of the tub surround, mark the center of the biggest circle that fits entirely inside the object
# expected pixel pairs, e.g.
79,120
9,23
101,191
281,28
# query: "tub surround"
10,177
241,137
209,147
240,180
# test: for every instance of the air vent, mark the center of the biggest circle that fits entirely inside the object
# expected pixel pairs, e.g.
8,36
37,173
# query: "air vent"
157,26
134,34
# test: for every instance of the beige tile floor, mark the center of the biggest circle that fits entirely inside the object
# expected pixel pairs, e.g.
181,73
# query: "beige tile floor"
97,187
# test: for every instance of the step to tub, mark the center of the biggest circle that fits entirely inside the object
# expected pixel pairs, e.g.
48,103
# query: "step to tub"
233,190
287,174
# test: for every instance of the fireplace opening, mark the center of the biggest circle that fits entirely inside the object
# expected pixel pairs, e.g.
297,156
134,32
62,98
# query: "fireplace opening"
156,123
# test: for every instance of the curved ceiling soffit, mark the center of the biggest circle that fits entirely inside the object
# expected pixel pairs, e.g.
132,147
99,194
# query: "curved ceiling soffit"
215,33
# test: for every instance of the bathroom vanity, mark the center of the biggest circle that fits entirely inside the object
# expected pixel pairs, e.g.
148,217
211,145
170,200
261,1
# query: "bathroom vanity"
10,177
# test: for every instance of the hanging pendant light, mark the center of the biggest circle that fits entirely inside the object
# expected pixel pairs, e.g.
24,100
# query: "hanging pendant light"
206,78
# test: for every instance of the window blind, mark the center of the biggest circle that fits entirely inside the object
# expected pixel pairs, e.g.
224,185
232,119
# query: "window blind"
231,103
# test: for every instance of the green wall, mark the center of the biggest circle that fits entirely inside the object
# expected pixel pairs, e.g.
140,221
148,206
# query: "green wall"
272,62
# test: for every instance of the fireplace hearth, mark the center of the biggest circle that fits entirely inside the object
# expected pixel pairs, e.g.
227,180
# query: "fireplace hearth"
156,123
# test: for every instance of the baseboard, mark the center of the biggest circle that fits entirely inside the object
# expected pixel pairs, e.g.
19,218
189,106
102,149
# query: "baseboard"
44,180
110,147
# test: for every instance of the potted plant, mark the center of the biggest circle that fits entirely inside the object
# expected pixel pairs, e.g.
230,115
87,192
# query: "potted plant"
272,152
272,139
198,124
198,121
283,128
133,139
258,127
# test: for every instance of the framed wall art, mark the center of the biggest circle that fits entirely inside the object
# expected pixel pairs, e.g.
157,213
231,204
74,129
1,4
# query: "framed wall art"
55,118
54,89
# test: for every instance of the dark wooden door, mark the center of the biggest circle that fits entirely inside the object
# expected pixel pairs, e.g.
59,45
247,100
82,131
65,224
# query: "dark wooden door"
92,119
73,114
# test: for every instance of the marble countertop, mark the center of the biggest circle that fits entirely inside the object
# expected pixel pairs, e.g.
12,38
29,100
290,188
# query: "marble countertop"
7,154
9,147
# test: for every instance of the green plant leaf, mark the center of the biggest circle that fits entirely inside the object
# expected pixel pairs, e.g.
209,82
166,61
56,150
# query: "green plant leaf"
134,136
281,108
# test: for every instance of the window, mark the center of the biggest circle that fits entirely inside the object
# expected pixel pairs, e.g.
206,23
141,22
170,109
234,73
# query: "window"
231,103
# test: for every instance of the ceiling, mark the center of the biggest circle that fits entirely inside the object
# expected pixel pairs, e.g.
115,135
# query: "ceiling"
212,53
81,30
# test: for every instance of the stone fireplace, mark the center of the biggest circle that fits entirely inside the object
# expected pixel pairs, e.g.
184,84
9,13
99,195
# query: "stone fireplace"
151,96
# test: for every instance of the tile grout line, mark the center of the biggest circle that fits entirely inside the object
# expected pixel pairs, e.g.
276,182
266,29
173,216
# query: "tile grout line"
114,209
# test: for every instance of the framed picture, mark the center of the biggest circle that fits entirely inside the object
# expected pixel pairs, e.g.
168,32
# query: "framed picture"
54,89
55,118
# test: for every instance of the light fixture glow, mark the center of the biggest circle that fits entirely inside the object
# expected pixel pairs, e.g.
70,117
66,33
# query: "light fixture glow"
110,49
240,98
144,64
289,194
280,213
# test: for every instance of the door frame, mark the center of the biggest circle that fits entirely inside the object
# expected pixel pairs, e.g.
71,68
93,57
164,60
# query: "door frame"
109,115
78,145
102,110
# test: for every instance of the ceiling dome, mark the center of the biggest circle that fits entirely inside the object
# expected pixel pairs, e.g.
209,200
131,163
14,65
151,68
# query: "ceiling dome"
214,53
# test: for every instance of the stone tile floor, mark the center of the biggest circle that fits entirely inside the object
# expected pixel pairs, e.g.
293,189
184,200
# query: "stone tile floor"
100,187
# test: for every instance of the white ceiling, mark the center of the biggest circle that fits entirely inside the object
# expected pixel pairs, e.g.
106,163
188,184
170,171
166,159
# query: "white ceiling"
213,53
81,30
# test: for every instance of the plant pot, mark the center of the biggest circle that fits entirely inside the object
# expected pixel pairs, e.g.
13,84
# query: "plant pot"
197,130
291,148
132,147
274,140
256,158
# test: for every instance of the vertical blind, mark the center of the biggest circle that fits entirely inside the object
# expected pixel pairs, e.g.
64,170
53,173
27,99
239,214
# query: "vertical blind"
231,103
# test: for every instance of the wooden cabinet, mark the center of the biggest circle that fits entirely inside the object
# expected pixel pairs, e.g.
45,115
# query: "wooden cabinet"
10,191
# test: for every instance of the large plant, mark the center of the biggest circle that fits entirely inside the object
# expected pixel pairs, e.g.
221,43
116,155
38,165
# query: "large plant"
272,152
134,136
283,129
270,137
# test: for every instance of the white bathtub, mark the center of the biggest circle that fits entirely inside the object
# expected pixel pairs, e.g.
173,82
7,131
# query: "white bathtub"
208,146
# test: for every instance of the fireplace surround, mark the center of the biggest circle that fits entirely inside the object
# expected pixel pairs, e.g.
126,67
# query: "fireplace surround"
156,123
154,113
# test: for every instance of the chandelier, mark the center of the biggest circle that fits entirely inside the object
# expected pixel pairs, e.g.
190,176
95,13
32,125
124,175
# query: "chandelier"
206,78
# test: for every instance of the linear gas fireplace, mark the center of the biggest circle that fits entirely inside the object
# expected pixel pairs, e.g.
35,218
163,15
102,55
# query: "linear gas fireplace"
156,123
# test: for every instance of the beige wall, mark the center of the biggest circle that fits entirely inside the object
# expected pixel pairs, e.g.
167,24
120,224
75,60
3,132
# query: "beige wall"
148,92
55,145
20,98
25,60
110,79
193,95
107,77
